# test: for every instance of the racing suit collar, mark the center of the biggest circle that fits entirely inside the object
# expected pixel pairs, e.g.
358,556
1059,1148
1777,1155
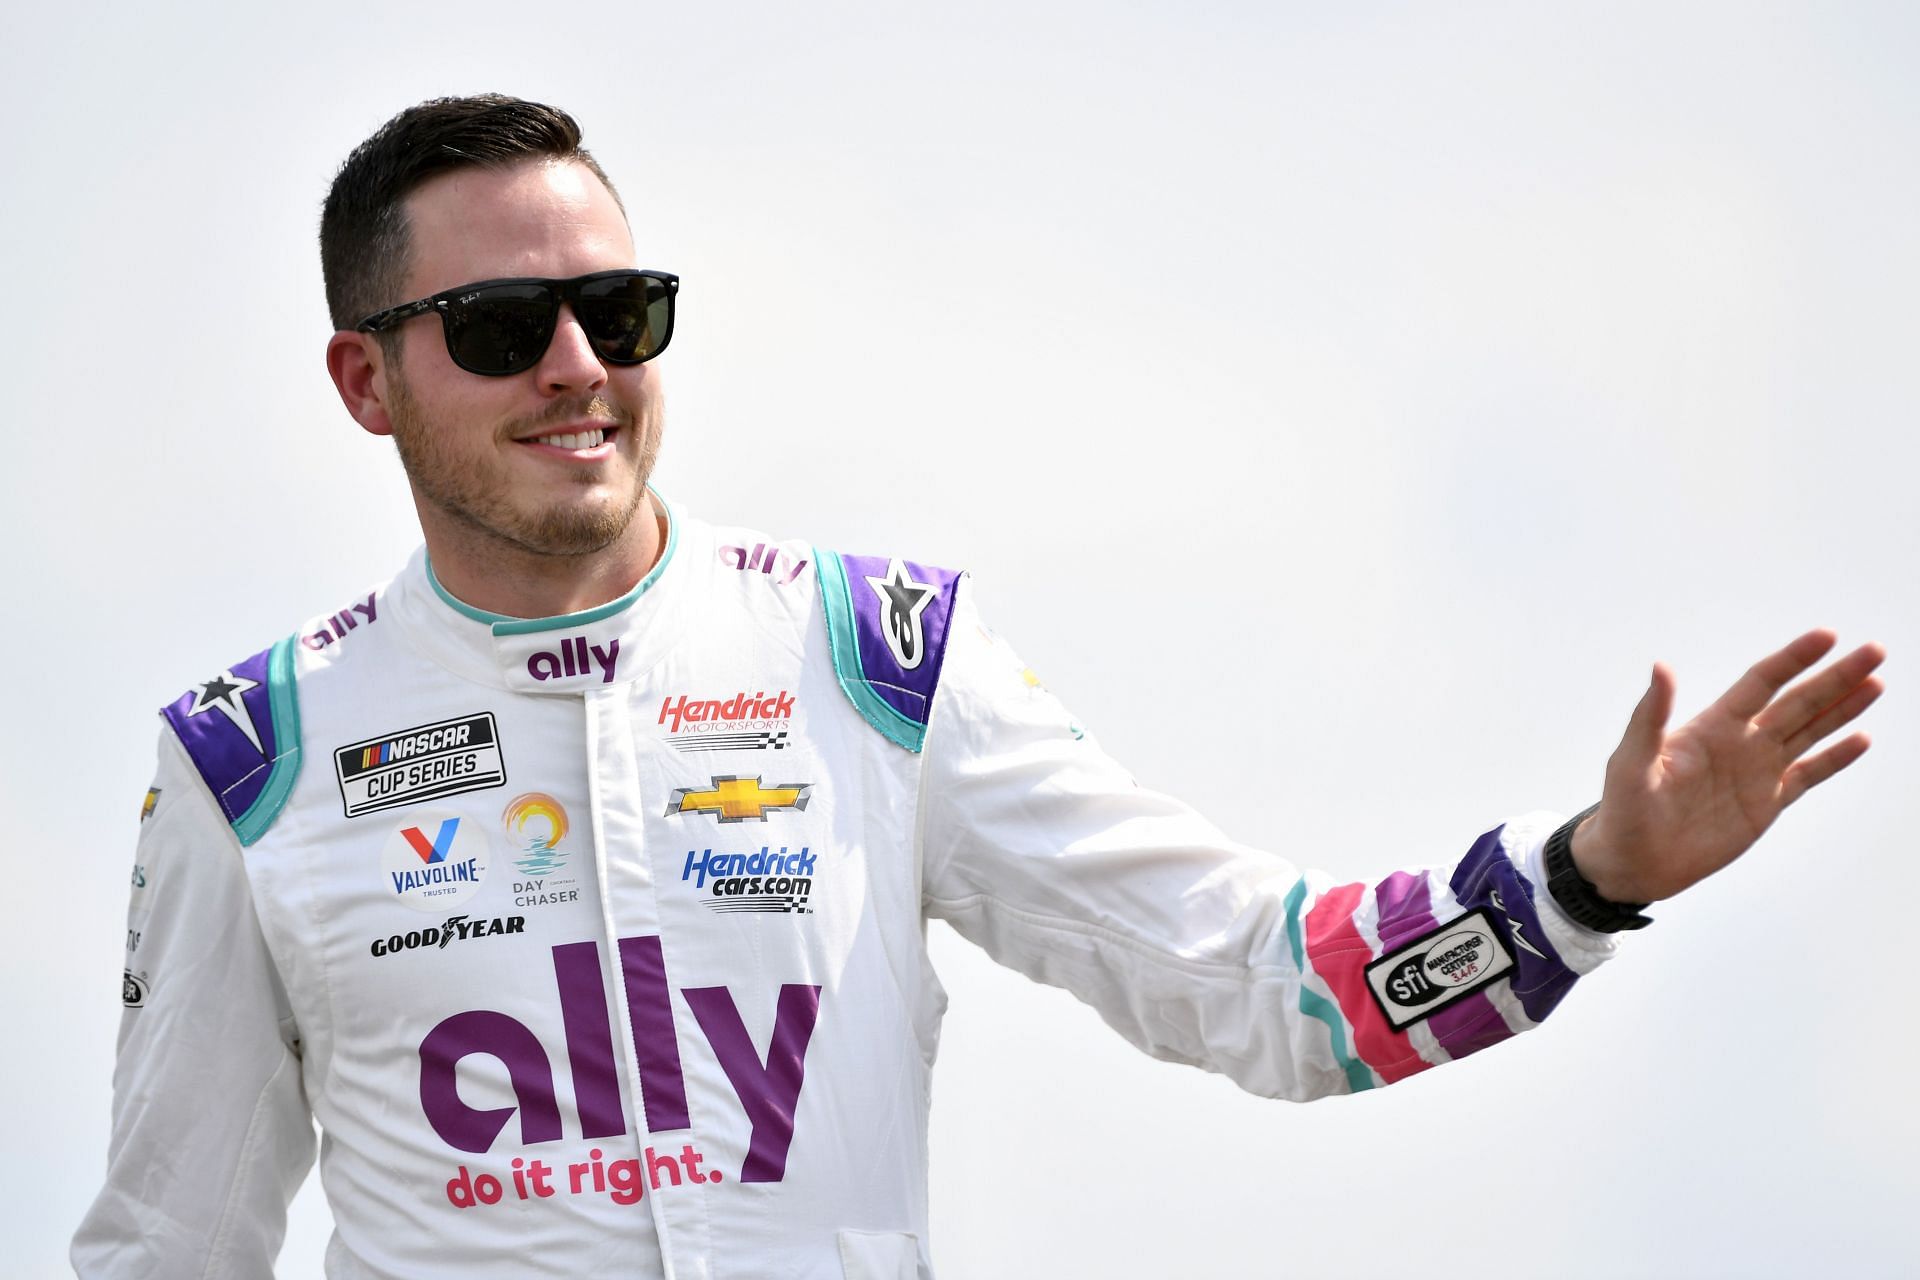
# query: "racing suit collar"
569,653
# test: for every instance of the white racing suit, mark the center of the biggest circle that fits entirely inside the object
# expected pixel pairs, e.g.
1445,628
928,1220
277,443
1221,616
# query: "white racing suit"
596,944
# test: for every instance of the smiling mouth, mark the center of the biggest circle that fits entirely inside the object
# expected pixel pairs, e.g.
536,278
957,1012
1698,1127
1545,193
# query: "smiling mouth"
573,441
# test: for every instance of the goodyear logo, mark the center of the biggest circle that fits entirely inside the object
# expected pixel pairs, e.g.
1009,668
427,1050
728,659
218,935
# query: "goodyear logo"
733,799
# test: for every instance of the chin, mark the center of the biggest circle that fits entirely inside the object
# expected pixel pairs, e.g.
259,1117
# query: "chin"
577,531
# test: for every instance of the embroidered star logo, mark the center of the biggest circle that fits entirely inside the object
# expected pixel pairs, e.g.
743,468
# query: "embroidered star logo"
222,694
902,601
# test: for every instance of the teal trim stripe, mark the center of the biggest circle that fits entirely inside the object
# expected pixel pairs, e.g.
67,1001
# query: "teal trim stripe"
1315,1005
458,605
838,600
284,705
507,626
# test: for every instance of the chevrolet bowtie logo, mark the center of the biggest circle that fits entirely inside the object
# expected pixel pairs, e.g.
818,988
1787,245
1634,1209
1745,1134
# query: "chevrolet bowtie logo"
738,799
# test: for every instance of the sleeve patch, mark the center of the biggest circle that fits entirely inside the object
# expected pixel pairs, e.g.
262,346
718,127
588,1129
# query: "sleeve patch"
887,623
241,728
1436,969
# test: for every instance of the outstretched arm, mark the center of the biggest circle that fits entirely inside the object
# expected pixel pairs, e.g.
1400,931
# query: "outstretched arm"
1679,806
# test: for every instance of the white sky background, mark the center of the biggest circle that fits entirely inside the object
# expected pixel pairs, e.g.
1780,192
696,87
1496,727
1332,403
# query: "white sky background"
1340,411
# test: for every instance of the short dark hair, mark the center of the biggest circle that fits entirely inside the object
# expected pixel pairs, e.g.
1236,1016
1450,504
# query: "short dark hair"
364,238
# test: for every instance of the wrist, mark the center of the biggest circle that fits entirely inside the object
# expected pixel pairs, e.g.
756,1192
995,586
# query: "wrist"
1583,901
1593,857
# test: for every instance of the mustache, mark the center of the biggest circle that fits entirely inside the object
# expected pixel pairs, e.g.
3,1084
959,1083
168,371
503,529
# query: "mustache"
591,408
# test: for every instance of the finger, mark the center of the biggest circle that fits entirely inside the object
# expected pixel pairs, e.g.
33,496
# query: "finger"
1794,709
1753,691
1864,695
1808,774
1646,727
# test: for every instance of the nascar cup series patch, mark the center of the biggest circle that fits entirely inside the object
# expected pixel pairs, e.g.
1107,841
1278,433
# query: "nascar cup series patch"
1424,976
422,763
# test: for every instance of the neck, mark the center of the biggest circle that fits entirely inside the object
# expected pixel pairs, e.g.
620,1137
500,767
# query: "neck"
479,569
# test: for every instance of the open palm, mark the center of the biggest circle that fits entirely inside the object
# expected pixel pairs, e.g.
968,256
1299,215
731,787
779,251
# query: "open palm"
1679,806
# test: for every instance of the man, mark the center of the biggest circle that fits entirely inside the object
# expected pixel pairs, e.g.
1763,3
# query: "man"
575,880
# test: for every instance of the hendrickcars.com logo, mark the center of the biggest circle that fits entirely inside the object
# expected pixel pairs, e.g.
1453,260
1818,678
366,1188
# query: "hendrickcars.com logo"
759,881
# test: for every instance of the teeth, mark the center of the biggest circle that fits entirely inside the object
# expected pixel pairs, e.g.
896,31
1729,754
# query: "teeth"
580,440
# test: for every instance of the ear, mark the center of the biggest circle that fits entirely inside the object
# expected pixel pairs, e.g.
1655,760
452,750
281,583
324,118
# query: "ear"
357,365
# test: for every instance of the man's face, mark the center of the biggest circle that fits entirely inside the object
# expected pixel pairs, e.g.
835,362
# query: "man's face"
515,459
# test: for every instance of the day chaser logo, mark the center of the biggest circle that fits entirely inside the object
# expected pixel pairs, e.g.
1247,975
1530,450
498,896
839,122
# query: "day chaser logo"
536,823
1441,966
757,721
422,763
902,601
732,799
437,865
760,881
222,694
454,929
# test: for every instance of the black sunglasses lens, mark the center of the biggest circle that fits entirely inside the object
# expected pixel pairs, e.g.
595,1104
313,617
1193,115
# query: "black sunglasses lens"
627,318
501,329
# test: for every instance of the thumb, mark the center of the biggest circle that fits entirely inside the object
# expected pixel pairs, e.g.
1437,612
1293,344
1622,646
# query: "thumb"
1646,728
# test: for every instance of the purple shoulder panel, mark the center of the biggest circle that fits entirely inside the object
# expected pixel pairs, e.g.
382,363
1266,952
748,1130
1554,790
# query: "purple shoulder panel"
901,613
227,727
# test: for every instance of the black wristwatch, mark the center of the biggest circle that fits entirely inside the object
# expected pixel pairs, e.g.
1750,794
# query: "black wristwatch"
1575,893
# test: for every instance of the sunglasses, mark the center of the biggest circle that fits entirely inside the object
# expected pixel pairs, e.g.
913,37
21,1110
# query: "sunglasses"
501,327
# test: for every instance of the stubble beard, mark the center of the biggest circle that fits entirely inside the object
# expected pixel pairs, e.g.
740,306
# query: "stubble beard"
462,489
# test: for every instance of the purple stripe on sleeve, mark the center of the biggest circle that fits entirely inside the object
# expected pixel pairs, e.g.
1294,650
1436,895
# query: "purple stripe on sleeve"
1486,877
1405,908
1469,1026
1406,911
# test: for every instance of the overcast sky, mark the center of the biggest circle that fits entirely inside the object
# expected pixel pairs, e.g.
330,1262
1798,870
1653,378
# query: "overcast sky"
1340,407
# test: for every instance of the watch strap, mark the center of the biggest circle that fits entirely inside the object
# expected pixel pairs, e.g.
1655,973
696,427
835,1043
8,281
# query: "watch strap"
1575,894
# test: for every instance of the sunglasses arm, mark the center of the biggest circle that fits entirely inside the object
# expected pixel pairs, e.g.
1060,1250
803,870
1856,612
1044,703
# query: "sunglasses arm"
394,315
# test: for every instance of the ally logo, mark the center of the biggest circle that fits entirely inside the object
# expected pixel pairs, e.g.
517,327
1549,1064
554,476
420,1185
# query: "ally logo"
436,863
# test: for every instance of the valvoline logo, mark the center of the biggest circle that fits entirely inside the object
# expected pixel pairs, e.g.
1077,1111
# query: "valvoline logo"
436,862
434,850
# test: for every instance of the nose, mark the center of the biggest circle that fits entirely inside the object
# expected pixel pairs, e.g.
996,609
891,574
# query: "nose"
570,363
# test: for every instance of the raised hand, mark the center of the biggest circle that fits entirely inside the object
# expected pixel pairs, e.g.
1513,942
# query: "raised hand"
1679,806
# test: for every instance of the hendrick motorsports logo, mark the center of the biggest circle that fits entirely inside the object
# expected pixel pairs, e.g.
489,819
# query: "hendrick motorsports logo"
733,799
1426,975
757,721
759,881
423,763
